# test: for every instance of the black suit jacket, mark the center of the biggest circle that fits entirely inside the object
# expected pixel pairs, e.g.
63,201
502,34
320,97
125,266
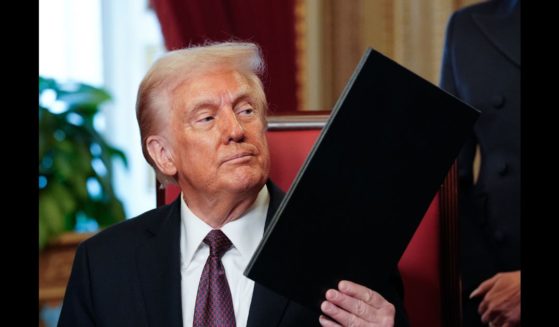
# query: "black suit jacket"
481,65
129,275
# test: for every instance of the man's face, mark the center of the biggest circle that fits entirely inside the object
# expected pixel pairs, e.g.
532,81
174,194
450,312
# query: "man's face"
218,135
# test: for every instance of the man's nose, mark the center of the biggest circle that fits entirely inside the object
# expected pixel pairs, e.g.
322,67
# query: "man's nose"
233,129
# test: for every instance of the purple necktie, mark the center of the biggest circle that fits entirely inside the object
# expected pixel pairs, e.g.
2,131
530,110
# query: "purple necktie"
214,306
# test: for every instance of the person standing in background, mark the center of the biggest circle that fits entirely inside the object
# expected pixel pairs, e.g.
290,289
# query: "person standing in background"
481,66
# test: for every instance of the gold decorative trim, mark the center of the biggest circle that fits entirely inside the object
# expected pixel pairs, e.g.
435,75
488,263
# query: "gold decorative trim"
300,54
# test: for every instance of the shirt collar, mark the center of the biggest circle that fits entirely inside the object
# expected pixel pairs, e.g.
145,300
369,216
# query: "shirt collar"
244,233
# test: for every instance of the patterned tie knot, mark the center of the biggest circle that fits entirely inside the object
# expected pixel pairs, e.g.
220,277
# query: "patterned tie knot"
218,243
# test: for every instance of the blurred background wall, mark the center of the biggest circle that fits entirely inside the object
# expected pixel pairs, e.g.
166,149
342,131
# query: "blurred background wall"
332,36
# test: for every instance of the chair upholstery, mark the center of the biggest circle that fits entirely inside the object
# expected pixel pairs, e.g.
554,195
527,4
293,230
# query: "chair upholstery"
428,265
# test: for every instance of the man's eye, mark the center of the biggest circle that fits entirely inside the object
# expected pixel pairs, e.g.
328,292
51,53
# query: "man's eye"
206,119
246,111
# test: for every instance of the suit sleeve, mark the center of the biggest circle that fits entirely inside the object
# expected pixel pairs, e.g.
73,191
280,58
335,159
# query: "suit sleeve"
77,308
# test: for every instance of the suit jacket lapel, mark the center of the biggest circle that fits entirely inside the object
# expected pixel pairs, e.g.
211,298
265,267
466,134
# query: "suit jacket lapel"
267,307
503,30
158,266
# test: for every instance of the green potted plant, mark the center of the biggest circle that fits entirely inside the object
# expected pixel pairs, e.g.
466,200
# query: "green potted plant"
75,161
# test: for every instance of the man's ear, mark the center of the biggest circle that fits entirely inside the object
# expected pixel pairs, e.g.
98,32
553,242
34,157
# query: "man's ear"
160,152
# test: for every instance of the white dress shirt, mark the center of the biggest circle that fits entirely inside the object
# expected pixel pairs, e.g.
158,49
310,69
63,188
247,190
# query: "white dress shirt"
245,233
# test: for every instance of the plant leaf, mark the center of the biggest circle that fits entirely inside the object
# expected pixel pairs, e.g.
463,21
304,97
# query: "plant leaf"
66,160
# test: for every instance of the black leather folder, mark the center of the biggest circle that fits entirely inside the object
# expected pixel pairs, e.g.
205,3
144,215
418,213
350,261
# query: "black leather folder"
365,186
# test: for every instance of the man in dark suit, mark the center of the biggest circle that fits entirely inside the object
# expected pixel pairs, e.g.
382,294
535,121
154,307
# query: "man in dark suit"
481,65
202,117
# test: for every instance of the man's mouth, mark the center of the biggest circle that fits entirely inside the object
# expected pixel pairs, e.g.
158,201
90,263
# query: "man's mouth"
239,157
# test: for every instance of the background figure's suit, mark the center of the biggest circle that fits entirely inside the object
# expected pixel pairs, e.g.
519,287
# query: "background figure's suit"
481,65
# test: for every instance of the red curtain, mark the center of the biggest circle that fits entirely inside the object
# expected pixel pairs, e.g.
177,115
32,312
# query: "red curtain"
269,23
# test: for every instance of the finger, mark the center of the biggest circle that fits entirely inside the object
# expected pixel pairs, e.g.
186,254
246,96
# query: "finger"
482,307
485,318
484,287
341,316
489,316
362,293
352,305
487,309
499,320
325,322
